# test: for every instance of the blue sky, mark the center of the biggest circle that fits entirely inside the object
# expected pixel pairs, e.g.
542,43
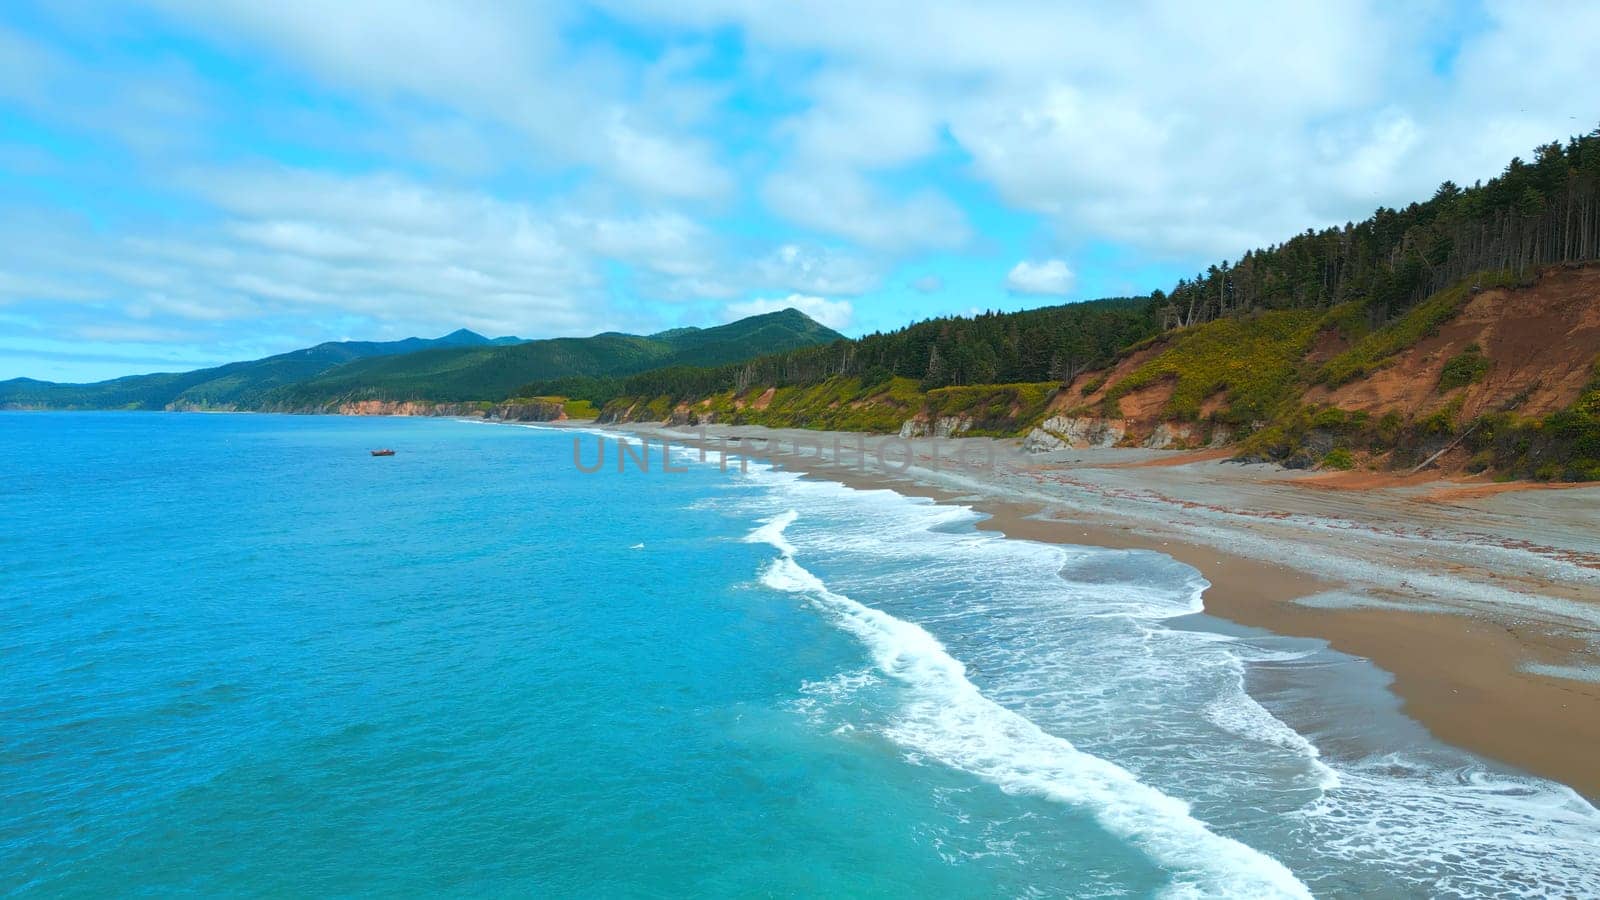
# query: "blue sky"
187,182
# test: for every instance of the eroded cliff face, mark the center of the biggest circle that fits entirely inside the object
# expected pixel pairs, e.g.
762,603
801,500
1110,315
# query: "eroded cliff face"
1075,432
511,411
937,426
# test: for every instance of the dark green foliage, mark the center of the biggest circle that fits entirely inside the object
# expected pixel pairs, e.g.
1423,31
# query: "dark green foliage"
1037,345
235,385
1467,367
459,367
1564,445
1329,435
1332,418
1368,277
1533,214
1338,458
587,365
577,387
851,404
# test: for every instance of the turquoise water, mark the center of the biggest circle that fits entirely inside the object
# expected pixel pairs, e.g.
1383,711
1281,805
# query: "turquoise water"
241,656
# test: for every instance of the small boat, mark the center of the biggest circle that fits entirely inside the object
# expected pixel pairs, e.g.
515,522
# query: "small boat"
383,452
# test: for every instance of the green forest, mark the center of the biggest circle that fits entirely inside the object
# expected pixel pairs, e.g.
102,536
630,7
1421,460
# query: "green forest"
1535,213
1382,285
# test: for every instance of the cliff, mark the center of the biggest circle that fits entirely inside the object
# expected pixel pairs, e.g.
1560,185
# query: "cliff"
538,409
1494,372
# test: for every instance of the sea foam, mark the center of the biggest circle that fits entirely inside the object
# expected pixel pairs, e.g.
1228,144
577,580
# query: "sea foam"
949,719
1078,641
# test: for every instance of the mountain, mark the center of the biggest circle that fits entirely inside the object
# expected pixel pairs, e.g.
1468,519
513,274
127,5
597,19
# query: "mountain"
460,366
461,374
234,385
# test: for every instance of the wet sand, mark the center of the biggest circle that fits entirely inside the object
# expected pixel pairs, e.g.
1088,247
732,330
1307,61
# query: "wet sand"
1452,589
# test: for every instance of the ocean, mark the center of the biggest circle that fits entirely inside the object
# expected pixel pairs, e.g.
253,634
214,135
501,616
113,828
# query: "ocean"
241,656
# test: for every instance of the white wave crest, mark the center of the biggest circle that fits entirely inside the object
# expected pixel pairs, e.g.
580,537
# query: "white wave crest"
949,719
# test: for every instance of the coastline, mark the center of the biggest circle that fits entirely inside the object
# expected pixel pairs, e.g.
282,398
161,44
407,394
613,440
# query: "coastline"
1457,639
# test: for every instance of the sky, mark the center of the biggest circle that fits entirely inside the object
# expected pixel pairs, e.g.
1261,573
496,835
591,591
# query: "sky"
189,182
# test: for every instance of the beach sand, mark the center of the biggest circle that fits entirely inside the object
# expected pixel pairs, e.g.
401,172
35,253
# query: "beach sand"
1455,589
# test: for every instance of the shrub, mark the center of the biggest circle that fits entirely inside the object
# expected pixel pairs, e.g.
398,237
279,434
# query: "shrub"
1331,418
659,409
1271,442
1467,367
1338,458
1440,422
1349,319
1481,461
580,409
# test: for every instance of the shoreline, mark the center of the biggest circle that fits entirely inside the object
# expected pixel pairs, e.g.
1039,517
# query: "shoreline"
1458,664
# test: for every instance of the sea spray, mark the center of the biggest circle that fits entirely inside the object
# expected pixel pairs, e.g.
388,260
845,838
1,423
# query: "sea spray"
949,719
1085,643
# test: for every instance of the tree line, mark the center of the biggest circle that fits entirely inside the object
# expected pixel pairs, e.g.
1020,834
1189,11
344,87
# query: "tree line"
1534,213
1052,343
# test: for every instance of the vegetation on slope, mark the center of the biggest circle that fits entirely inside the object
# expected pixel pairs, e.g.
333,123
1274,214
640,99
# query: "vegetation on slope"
1235,343
1054,342
1252,360
458,368
1051,344
1466,367
1535,213
235,385
1561,446
499,372
1421,321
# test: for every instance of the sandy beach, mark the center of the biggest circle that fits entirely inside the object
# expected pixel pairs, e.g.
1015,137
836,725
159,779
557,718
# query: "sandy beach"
1482,600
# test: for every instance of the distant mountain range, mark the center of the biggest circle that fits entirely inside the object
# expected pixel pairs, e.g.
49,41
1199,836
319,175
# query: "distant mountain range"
459,366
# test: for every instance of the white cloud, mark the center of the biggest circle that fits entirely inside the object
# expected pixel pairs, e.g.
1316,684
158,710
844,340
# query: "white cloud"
927,284
835,314
817,270
1049,278
858,118
497,62
846,204
404,258
516,169
1181,130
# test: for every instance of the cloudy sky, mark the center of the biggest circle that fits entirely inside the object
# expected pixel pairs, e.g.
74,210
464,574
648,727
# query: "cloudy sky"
186,182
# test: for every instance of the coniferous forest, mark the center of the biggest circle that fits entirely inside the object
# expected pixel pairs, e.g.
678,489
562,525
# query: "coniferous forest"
1533,214
1546,211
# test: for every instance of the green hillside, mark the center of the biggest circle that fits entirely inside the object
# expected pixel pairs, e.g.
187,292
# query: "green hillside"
462,366
234,385
495,373
1262,351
